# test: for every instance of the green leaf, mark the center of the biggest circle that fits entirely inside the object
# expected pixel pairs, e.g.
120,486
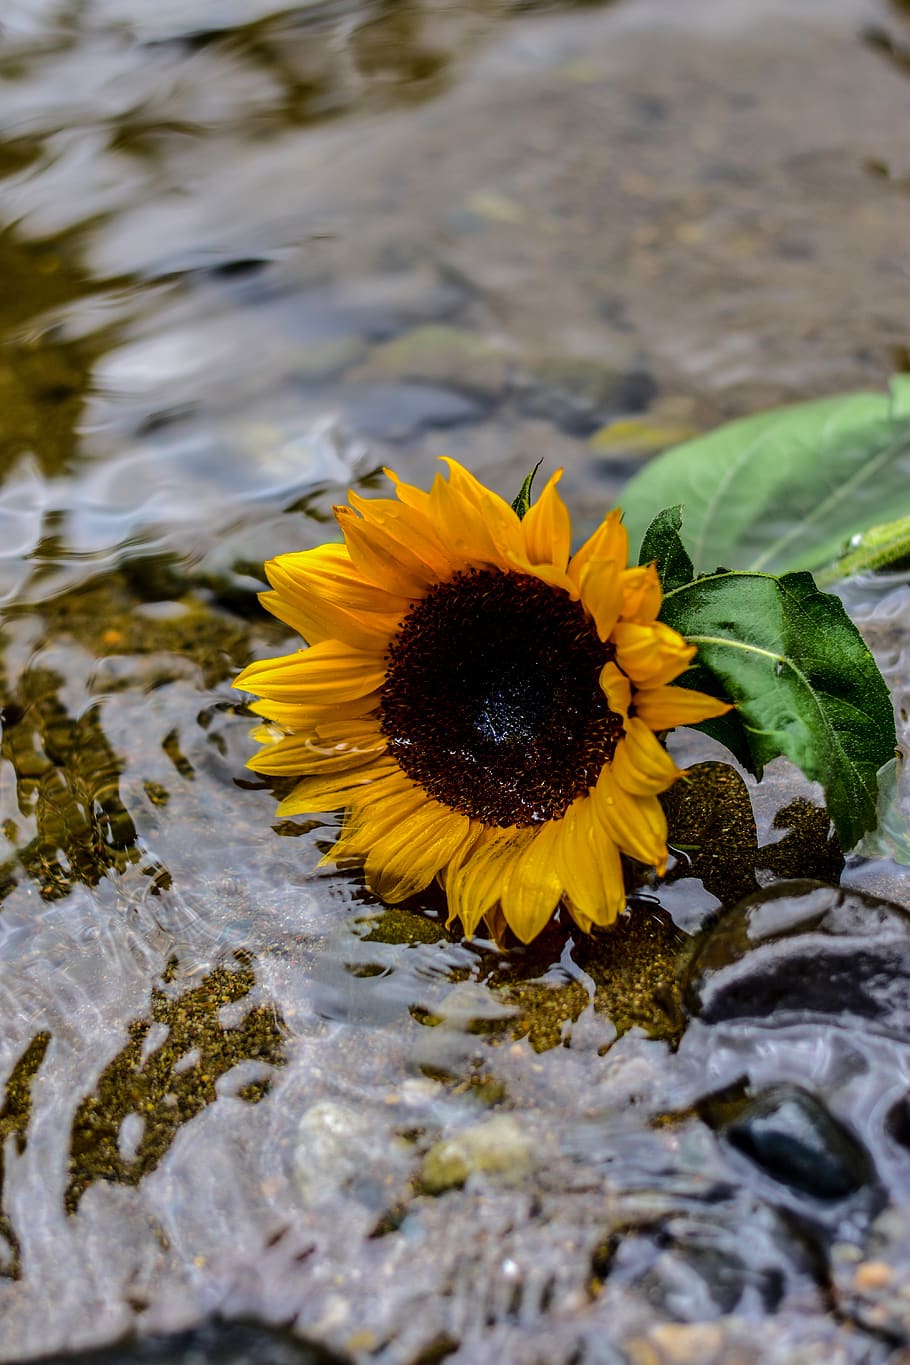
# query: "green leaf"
663,544
522,503
803,680
785,489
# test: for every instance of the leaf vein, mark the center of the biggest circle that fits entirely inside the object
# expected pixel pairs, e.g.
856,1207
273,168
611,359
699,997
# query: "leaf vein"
836,496
827,725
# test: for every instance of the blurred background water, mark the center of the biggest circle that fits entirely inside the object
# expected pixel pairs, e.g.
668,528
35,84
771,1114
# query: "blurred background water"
249,254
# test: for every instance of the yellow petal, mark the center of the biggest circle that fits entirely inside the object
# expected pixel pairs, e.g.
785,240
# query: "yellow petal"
641,764
601,593
409,493
335,790
379,811
533,888
663,707
318,621
636,824
546,527
329,573
642,594
410,528
476,835
382,559
547,573
408,858
496,927
297,716
301,755
651,655
477,885
480,526
584,922
609,541
324,673
588,863
268,733
359,733
616,688
321,594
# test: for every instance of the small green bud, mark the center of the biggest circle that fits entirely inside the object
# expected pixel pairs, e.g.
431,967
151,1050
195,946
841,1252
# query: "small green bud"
523,501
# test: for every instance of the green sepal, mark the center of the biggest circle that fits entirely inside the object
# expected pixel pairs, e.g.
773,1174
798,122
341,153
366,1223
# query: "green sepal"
522,503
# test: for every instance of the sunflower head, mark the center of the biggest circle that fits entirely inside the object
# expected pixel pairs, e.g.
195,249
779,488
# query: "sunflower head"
479,701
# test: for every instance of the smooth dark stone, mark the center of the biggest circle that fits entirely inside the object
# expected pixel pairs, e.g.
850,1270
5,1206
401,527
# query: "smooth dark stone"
580,405
239,267
217,1343
873,984
794,1139
897,1122
807,949
398,412
691,1264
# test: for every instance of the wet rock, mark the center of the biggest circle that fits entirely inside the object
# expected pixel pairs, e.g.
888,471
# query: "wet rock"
547,1010
227,1343
152,1088
636,967
713,826
807,949
577,393
810,847
794,1140
448,1042
687,1343
382,306
592,219
801,1004
399,412
341,1150
897,1122
496,1147
698,1268
437,354
671,420
470,1007
873,1285
327,359
711,822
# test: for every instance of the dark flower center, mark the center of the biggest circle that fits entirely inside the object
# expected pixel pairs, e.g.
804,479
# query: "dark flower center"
492,700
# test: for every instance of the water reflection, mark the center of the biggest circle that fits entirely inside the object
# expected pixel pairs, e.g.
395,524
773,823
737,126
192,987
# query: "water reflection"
634,976
157,1085
252,254
65,816
14,1121
714,835
67,791
47,374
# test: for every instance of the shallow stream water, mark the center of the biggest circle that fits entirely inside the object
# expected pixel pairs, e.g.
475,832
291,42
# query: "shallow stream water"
248,255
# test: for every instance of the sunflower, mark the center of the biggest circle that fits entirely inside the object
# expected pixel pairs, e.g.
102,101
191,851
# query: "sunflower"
480,702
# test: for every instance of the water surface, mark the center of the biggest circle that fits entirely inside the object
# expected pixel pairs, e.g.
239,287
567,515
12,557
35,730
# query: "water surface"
249,255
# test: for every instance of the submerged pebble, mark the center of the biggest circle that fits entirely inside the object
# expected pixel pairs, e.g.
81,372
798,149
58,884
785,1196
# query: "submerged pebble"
400,412
793,1139
810,948
341,1151
217,1343
496,1147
